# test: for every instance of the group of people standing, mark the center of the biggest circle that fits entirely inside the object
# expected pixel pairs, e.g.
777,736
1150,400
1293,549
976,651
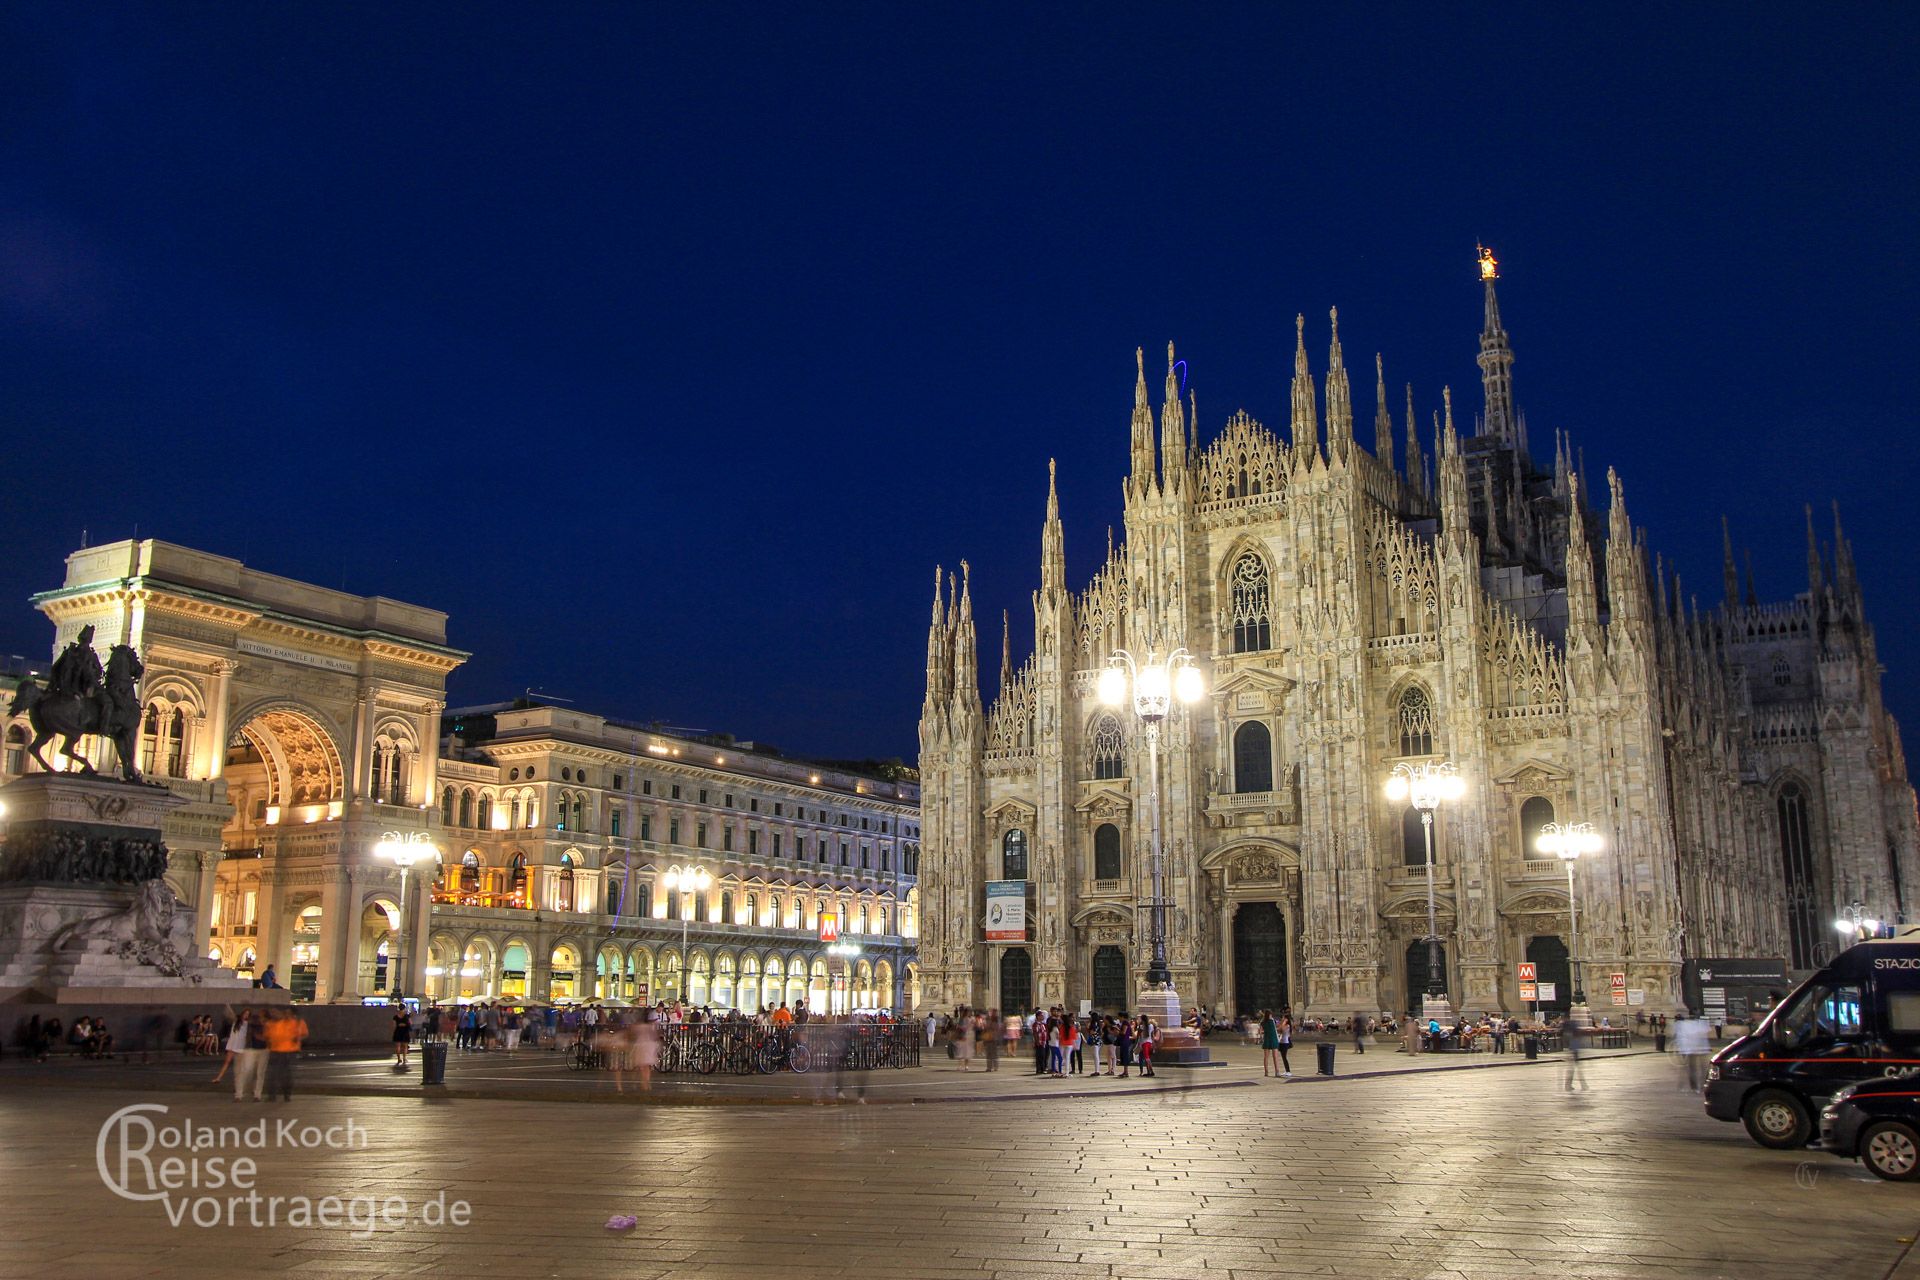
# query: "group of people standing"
262,1047
1060,1042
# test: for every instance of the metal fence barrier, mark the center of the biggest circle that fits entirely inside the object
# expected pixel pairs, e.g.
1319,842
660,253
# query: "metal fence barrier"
741,1049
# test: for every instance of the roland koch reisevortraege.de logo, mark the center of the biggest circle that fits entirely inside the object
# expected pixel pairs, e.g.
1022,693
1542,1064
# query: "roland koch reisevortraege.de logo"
207,1175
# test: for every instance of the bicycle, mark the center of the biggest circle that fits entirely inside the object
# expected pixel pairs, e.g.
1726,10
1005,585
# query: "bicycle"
778,1053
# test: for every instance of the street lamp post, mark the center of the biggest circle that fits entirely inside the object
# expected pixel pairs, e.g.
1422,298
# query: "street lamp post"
1153,685
1857,924
694,880
403,850
1425,786
1567,841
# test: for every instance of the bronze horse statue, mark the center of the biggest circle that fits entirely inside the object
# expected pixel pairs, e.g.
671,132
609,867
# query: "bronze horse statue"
112,712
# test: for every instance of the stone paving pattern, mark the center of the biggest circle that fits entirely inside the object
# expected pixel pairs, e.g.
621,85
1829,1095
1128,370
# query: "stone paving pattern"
1474,1173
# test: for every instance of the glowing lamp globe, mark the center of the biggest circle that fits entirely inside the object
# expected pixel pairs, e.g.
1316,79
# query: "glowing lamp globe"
1113,686
1397,787
1153,683
1189,685
1453,786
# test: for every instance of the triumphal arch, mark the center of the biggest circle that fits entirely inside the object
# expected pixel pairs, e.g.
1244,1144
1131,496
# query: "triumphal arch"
302,726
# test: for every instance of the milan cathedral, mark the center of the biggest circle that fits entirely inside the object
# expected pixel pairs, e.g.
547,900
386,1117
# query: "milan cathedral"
1357,609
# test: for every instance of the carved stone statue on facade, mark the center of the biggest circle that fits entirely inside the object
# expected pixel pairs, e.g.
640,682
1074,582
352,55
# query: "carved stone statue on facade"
81,700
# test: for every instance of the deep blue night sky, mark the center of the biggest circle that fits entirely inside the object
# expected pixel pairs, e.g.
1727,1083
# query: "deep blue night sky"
667,348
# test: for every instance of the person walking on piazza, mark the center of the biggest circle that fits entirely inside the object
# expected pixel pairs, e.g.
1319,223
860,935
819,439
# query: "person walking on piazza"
402,1037
1571,1031
933,1025
990,1039
1360,1028
1096,1040
1690,1044
1269,1044
286,1035
249,1077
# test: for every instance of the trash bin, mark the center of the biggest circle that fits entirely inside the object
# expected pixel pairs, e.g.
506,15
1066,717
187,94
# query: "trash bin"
1326,1057
1533,1048
433,1062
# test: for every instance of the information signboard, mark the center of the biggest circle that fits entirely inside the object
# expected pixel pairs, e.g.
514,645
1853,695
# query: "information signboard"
1006,911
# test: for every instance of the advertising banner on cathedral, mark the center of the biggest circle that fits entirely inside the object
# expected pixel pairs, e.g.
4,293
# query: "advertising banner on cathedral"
1006,911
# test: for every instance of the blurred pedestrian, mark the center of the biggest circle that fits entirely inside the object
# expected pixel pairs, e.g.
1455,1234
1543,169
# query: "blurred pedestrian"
1269,1044
1690,1043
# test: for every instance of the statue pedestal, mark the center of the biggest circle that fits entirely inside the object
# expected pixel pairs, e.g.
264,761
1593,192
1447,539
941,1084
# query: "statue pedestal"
85,917
1177,1046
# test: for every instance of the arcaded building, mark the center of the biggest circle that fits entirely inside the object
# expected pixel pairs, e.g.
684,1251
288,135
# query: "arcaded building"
307,726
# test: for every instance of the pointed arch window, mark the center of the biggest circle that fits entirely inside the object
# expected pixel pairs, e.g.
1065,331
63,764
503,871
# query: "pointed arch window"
1251,598
1106,852
446,806
466,808
1252,758
565,891
1796,868
1108,750
1535,814
485,812
579,813
1413,722
560,812
1013,855
1413,838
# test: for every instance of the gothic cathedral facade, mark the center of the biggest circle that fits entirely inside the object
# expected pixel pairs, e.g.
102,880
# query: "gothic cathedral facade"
1354,610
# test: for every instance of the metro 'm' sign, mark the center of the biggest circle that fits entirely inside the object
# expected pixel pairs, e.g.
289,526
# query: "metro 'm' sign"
829,927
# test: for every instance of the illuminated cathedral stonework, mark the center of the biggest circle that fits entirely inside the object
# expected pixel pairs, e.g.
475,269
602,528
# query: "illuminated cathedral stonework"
1354,611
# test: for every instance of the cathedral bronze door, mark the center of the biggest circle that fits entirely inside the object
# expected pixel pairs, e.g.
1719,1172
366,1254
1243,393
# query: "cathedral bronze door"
1548,952
1259,958
1110,980
1016,979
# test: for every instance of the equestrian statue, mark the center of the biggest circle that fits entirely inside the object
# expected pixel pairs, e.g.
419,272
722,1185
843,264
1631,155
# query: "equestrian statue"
81,700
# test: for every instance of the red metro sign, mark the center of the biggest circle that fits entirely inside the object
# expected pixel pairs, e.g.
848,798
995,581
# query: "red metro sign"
829,927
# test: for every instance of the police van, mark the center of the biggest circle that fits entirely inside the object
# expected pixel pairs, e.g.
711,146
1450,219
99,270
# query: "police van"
1856,1019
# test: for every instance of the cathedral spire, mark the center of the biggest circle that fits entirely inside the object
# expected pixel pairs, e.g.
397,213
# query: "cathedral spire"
1844,579
1494,544
1583,604
1006,651
1496,360
966,659
1053,544
1306,416
1626,585
1382,420
1143,461
936,650
1813,558
1173,432
1339,397
1728,573
1416,461
1456,512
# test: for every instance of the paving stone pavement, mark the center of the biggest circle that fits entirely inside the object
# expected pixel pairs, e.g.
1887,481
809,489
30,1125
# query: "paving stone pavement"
1477,1173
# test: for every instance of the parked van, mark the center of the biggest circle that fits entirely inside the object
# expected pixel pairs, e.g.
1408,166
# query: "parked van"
1857,1019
